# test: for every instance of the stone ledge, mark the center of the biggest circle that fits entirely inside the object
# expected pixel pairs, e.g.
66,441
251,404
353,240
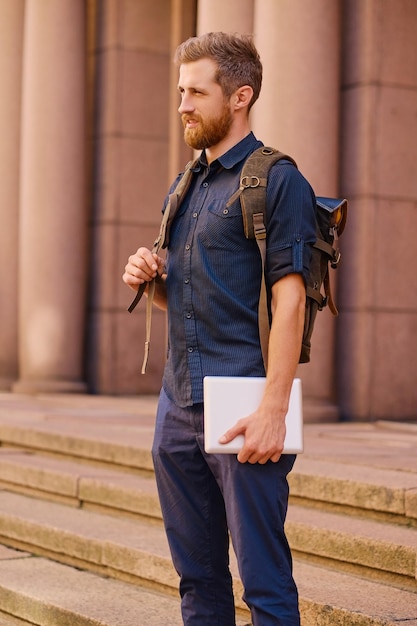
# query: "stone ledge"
47,593
387,491
136,548
9,620
374,490
363,542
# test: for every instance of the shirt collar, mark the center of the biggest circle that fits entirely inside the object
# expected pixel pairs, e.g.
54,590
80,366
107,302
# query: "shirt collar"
238,153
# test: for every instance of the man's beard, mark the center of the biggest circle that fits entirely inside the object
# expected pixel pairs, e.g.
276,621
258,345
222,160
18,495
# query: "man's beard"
209,132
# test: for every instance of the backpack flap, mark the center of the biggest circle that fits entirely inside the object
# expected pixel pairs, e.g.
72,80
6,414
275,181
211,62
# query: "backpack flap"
331,217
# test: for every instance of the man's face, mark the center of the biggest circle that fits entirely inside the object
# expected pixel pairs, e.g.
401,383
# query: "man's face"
205,113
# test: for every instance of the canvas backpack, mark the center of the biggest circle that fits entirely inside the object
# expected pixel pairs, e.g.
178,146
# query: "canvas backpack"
331,216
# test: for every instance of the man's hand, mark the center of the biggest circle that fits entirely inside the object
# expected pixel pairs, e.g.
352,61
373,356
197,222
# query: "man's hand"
264,434
142,267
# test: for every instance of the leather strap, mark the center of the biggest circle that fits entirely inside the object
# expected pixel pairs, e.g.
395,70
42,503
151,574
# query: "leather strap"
174,200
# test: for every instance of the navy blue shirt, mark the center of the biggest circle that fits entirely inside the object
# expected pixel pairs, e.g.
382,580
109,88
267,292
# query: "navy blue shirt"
214,272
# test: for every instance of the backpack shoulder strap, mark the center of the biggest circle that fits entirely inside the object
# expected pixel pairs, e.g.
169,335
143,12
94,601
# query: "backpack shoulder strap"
252,189
252,194
174,200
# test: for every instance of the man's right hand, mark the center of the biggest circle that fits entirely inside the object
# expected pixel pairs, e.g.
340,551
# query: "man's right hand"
142,267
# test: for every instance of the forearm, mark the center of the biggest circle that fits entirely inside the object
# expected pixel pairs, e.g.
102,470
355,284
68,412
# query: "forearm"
264,429
288,311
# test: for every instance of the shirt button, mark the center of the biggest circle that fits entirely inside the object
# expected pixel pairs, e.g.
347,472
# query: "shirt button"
195,214
225,211
188,246
187,280
205,184
188,316
190,349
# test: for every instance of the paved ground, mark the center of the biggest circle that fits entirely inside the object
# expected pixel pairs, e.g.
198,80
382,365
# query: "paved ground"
384,444
381,444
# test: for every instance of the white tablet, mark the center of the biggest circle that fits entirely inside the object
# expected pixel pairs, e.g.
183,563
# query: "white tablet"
228,398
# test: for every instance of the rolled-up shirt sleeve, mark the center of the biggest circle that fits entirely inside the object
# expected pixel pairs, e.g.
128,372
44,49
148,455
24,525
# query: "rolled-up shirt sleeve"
291,224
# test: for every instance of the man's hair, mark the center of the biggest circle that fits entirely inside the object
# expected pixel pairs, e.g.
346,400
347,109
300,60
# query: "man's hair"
237,59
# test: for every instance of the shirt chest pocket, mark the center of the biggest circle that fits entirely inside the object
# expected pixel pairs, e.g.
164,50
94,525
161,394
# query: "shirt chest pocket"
221,227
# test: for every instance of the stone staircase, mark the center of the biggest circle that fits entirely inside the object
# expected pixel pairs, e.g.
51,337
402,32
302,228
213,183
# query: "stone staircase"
81,536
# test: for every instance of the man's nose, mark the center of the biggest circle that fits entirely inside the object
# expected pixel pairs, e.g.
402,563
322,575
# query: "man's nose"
186,105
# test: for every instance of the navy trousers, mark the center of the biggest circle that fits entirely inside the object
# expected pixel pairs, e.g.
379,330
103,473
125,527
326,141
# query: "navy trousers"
203,498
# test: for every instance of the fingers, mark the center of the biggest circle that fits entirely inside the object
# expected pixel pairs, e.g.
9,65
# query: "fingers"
257,456
260,444
256,449
141,267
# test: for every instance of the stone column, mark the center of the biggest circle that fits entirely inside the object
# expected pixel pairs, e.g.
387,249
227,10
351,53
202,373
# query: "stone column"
53,220
11,38
229,16
182,26
298,112
377,345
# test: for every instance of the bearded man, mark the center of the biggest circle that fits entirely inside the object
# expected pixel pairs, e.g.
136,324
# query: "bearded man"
209,286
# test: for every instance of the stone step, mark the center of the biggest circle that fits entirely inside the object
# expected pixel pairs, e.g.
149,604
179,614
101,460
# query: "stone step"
384,549
9,620
122,443
41,592
366,547
137,549
388,494
46,593
78,484
329,598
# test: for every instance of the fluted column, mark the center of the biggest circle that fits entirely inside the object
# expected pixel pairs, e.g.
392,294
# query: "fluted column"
298,113
11,36
53,220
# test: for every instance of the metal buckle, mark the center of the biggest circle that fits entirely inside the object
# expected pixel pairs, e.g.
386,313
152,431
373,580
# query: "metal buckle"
250,181
336,259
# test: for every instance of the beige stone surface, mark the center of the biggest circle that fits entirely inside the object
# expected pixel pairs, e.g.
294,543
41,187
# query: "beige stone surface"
360,468
369,604
52,594
143,183
8,554
378,177
51,320
9,620
145,25
402,300
374,489
144,111
368,543
217,15
86,483
91,540
11,37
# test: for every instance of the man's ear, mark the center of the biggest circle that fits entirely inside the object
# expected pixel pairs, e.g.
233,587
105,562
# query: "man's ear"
242,97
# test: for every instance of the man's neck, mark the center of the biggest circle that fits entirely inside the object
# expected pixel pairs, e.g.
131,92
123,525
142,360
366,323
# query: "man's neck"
233,138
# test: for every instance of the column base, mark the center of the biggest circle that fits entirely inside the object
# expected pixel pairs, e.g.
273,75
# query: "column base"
316,411
6,383
48,386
